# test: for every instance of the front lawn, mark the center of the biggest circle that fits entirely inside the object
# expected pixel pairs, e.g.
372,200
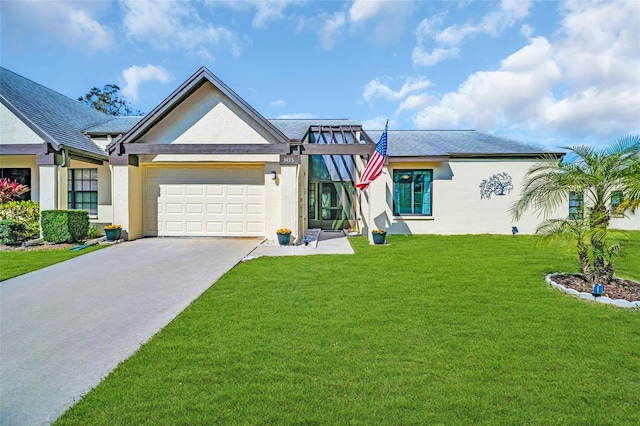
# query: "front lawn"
426,330
14,263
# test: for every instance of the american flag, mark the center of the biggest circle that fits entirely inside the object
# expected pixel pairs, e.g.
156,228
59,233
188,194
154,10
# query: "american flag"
374,166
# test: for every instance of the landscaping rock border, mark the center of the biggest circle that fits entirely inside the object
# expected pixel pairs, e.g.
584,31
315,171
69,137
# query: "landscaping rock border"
588,296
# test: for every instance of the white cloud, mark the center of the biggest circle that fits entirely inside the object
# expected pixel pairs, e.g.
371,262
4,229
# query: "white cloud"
423,58
448,40
172,24
377,89
266,11
331,29
527,31
136,75
279,103
73,23
414,102
584,84
362,10
377,123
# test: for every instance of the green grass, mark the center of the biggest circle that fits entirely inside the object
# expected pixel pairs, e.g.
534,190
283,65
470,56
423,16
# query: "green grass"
14,263
426,330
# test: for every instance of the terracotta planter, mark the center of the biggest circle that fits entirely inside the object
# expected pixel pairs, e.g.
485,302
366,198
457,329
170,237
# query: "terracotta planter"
284,239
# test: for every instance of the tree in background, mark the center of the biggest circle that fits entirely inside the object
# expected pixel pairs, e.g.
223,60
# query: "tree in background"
598,176
109,100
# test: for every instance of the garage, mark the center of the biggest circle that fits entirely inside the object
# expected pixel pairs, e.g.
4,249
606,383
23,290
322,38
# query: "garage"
210,201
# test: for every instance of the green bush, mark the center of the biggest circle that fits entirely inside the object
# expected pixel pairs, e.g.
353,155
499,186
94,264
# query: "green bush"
64,226
12,232
93,232
27,212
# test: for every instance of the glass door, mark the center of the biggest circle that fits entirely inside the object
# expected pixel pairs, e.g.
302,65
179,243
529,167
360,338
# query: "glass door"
331,205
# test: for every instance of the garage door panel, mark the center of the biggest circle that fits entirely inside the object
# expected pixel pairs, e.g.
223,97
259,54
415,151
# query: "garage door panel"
172,190
193,208
215,227
194,227
174,208
255,227
195,190
204,201
215,208
255,191
235,227
235,209
235,191
173,226
257,209
213,190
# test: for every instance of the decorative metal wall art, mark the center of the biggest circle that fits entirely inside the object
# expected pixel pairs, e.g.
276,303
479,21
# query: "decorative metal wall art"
498,184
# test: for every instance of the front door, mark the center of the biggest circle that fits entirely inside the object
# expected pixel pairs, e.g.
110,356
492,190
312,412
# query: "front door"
331,205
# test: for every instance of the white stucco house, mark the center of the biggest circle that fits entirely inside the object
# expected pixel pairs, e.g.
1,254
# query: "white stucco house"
205,163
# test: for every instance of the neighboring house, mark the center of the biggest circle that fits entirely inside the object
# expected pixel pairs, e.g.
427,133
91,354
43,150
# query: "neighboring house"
205,163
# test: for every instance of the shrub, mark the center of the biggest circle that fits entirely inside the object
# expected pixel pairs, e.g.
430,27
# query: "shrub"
27,212
12,232
64,226
93,232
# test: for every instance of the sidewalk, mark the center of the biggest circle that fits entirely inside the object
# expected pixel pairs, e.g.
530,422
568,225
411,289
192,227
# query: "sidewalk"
329,242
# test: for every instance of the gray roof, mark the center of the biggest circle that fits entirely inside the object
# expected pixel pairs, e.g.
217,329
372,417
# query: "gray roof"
418,143
297,128
115,126
55,117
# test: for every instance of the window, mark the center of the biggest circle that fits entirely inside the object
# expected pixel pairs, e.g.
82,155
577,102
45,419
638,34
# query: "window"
576,206
20,175
616,200
83,190
412,192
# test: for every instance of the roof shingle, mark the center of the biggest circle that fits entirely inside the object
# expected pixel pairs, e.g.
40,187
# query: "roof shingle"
58,116
436,143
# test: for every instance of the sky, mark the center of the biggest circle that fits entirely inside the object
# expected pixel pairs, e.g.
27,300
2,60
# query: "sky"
554,73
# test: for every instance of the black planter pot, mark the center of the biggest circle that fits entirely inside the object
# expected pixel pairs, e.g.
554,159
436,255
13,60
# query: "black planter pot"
283,239
379,238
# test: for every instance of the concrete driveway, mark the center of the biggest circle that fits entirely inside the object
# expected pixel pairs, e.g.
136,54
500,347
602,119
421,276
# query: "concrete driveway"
65,327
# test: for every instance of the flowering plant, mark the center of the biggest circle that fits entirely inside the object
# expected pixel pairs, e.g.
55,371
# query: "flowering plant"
379,231
283,231
11,190
114,226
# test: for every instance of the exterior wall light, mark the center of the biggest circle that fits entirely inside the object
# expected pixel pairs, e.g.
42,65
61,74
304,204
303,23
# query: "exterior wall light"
273,175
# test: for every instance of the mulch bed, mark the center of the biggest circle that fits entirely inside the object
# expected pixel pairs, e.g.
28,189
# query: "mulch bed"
44,246
619,289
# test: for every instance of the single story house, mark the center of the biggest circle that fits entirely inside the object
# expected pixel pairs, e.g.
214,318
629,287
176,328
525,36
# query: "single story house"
205,163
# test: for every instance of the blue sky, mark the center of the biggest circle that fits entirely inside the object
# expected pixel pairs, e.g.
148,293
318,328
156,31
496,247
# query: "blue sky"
551,72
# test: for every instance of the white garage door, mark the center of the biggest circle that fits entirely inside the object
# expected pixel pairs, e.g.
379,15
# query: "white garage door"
204,201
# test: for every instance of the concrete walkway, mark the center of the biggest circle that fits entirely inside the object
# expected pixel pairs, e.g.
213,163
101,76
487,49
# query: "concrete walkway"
329,242
65,327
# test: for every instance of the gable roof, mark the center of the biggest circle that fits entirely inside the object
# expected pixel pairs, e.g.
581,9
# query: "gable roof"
187,88
56,118
454,143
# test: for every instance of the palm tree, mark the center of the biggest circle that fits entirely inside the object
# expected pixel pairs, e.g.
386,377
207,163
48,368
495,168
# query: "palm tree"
596,175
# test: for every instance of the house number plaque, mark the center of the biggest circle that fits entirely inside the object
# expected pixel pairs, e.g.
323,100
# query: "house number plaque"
289,159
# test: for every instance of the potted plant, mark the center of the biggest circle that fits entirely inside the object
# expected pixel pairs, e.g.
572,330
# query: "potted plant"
113,232
379,236
284,236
